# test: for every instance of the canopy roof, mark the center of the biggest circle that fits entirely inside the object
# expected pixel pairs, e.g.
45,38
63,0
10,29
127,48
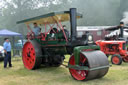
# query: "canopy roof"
6,32
50,18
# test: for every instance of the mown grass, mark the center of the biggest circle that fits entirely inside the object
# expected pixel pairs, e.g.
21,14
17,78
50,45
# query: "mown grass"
18,75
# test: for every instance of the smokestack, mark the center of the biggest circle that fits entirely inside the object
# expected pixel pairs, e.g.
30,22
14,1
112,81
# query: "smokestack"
121,32
121,29
73,23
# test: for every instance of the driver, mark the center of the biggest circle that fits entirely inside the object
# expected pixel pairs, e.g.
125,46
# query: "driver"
37,29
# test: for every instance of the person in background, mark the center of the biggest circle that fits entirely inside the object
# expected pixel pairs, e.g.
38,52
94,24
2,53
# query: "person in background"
7,51
121,27
37,29
66,31
64,26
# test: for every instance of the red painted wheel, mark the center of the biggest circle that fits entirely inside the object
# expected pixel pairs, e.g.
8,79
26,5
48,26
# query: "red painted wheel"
30,56
125,59
116,59
78,74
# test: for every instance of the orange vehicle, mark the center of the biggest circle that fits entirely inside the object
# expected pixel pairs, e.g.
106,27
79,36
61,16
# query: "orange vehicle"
117,49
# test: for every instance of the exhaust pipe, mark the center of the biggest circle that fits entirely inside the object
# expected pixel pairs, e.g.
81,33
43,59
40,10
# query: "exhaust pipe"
121,29
73,23
121,32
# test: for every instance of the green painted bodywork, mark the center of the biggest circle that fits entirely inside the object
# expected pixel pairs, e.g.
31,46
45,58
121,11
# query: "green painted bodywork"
78,49
55,43
56,40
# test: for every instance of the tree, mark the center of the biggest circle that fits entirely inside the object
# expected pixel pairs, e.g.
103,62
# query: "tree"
100,12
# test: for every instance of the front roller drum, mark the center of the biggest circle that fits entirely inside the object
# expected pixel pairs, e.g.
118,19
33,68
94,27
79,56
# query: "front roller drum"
31,55
96,61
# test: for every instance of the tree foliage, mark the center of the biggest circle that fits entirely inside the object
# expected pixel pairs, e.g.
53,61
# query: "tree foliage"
95,12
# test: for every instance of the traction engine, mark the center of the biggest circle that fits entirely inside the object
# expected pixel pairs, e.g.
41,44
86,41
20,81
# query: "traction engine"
50,47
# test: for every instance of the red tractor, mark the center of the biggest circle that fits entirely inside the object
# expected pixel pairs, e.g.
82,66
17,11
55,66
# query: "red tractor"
115,48
115,45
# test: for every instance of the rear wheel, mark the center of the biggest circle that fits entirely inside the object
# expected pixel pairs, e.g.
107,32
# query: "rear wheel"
125,59
116,59
78,74
31,55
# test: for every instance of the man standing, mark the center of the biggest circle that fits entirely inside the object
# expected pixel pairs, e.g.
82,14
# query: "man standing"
7,51
37,29
121,27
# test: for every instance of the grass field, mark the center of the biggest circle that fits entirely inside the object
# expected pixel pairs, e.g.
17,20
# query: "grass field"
18,75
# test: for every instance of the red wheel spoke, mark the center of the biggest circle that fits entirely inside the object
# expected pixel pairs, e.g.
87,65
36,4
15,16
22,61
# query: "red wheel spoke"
83,61
78,74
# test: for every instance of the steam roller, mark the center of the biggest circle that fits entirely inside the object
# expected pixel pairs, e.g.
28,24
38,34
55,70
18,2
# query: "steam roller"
50,47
